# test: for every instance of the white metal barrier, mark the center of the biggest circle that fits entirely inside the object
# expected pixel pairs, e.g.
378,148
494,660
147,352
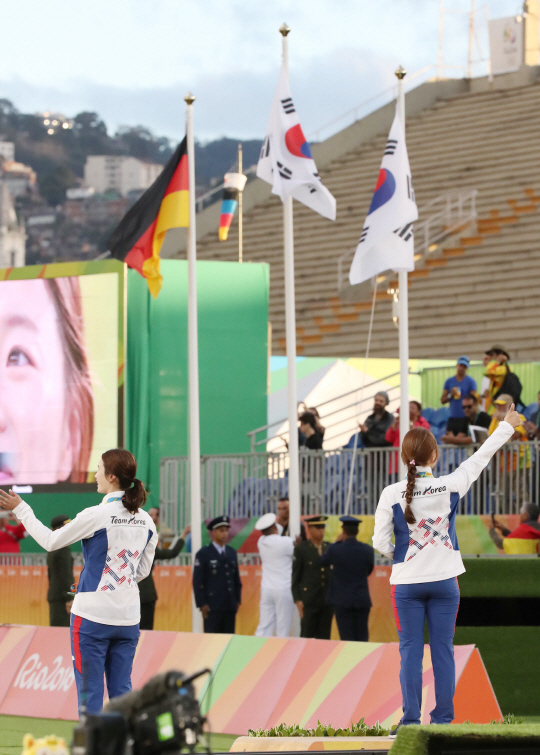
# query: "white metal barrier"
246,485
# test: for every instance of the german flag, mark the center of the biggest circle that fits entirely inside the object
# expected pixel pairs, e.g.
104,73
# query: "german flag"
139,236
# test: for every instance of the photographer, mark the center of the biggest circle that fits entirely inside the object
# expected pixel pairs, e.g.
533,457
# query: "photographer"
118,542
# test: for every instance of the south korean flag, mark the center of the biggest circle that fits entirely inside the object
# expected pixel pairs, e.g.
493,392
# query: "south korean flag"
286,161
387,240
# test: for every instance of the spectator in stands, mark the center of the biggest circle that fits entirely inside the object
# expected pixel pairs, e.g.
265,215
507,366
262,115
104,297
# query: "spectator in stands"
313,410
513,479
313,439
415,420
60,574
373,430
147,587
455,390
533,425
474,416
392,434
503,380
485,385
282,520
528,529
10,534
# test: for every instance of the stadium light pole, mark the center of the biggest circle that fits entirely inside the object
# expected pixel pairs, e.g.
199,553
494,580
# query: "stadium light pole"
403,310
290,334
193,365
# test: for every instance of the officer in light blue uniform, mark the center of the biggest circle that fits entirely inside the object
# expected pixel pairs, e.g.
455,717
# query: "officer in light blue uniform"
216,580
352,562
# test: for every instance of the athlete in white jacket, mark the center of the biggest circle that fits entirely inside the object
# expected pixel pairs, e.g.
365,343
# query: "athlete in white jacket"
118,542
420,512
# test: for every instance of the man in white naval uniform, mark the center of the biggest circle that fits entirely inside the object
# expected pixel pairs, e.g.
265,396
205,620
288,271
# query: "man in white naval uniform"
277,604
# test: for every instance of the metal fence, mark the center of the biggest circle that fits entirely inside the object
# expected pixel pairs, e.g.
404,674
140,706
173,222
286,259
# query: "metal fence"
40,559
246,485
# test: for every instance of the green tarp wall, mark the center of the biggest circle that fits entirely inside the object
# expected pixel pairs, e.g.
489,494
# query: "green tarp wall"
510,653
233,371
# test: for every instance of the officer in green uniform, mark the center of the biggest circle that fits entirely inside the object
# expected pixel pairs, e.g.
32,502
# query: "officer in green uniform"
60,573
310,581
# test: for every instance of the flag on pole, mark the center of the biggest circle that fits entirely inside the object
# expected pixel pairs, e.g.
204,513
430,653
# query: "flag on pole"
286,161
387,240
138,238
234,183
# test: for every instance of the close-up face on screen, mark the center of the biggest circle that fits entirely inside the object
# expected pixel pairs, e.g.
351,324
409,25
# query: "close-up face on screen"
58,377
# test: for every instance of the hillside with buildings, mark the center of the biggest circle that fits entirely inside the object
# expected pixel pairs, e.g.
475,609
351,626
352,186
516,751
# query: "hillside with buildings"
66,182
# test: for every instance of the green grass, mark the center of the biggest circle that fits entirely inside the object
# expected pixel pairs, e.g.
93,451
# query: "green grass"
13,728
512,667
416,740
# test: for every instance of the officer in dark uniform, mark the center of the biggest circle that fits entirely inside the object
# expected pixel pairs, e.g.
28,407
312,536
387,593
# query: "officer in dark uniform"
60,573
352,562
310,581
216,580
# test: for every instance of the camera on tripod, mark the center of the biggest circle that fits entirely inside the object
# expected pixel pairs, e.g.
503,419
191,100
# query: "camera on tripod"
162,717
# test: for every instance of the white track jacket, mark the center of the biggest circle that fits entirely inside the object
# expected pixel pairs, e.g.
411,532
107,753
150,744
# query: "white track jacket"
118,550
428,551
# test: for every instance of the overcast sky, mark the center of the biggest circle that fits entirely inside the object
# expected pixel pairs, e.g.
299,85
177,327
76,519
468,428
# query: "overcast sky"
133,61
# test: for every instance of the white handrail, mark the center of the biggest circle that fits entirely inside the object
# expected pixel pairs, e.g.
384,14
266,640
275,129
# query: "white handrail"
458,211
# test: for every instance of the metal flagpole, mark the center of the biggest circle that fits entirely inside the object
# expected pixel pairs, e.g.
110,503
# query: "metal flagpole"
193,364
240,228
403,311
290,328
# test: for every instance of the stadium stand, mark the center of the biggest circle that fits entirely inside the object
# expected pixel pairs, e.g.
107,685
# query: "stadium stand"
461,135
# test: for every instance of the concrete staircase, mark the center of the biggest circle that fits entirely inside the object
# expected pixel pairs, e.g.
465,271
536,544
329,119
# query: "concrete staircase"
480,287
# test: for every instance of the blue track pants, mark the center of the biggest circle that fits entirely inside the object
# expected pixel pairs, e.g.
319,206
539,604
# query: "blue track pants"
101,649
438,602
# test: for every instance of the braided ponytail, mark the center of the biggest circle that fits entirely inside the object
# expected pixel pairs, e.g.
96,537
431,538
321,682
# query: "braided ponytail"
411,478
419,447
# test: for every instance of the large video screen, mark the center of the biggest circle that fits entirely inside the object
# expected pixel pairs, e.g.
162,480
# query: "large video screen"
61,372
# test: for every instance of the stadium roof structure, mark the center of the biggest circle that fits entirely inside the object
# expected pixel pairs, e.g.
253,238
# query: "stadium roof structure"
480,285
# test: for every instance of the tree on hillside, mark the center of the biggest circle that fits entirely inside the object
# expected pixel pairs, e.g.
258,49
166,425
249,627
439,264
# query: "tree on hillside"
140,142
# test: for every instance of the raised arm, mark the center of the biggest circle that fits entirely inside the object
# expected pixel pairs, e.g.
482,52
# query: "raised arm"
84,524
461,480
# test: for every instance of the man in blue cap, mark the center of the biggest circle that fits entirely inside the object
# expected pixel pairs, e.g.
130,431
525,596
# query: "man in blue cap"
216,579
352,562
456,388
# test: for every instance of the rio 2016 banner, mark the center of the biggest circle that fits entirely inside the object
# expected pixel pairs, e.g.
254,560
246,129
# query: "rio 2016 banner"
255,682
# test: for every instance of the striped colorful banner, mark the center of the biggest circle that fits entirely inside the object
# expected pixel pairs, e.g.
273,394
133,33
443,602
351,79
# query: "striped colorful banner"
256,682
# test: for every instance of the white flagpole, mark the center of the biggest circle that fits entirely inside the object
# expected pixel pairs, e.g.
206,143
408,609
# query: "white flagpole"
403,312
193,365
290,328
